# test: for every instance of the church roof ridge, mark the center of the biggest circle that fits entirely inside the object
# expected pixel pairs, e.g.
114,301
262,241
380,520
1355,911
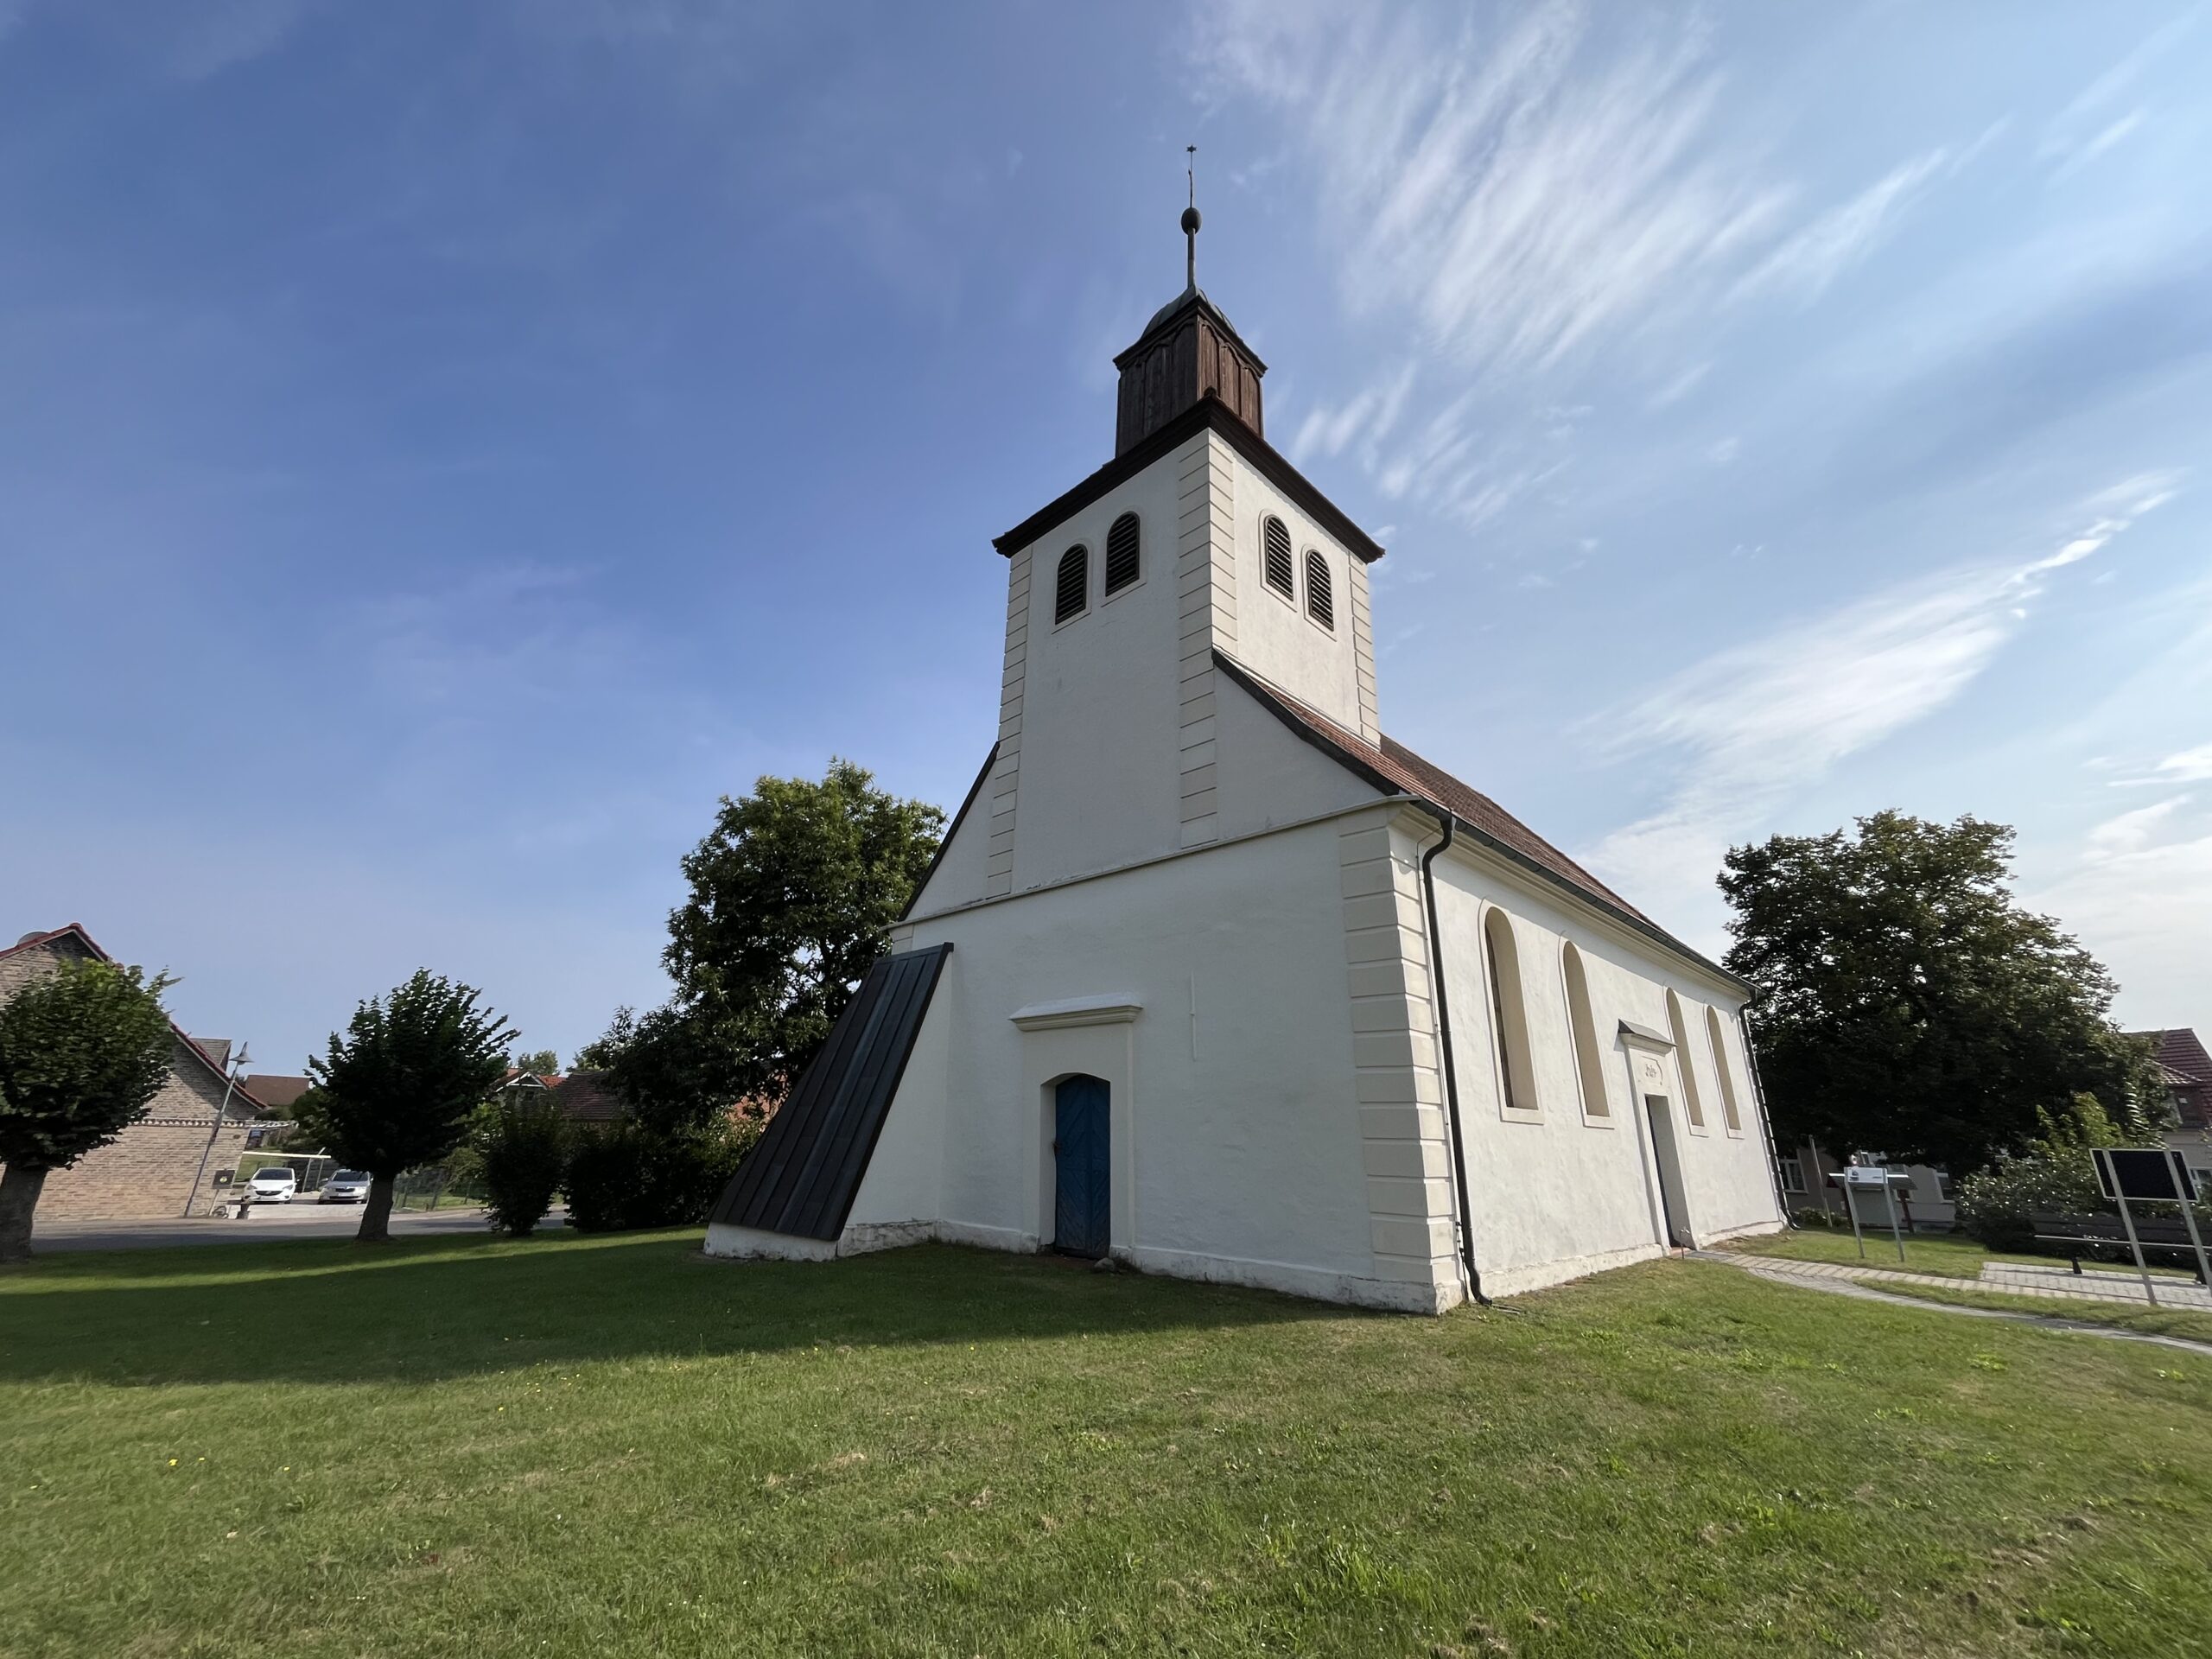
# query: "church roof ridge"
1393,768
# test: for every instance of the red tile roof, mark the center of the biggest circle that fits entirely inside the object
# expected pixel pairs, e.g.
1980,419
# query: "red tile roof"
2178,1050
1393,768
239,1096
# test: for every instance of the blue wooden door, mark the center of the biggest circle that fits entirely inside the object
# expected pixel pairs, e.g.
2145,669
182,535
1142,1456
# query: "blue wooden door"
1081,1148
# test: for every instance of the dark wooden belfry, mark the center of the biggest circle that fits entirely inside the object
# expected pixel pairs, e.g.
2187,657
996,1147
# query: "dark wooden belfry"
1189,349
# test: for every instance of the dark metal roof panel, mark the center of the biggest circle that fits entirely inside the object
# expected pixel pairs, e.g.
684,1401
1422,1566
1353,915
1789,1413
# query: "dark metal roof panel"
803,1176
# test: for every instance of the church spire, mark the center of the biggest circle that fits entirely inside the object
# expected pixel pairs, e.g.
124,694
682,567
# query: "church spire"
1189,352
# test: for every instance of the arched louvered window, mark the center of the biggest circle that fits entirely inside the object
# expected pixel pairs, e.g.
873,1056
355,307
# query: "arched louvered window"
1320,599
1589,1059
1121,553
1509,1012
1071,591
1719,1036
1275,546
1678,1028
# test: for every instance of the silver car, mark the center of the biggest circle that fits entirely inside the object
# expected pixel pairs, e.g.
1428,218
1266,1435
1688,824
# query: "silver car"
345,1186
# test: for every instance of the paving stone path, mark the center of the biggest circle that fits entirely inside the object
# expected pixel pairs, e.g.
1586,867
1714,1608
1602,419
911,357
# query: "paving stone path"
1848,1279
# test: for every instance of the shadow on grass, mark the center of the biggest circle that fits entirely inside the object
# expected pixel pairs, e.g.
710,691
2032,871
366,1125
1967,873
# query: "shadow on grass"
330,1311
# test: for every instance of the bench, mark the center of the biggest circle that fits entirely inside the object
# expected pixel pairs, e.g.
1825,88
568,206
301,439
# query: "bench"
2152,1232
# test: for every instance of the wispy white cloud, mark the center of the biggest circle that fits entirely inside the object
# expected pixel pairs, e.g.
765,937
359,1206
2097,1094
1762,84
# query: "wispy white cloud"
2129,832
1367,416
1521,193
1812,258
2188,766
2093,121
1675,390
1751,725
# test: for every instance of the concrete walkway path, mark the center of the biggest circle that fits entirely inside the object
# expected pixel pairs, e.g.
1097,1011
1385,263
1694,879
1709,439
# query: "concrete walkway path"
1839,1279
268,1223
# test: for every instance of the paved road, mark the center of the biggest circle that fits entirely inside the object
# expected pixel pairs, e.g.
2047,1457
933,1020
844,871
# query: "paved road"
267,1222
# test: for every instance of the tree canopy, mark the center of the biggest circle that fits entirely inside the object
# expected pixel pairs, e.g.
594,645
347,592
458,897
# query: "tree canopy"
397,1089
793,895
82,1051
1906,1003
541,1063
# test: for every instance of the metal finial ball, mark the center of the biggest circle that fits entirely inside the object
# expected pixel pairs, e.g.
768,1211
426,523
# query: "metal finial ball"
1190,221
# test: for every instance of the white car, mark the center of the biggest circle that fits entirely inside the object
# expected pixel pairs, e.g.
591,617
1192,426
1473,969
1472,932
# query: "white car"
275,1184
345,1186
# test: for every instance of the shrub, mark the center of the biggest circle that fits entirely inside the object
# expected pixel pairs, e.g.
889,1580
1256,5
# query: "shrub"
626,1175
2053,1176
522,1152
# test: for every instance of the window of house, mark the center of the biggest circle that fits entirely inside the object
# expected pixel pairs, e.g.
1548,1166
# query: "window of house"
1320,598
1793,1177
1274,545
1122,554
1678,1028
1509,1013
1942,1186
1589,1060
1071,591
1718,1034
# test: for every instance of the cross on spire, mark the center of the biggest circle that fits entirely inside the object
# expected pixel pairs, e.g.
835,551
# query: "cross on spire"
1190,220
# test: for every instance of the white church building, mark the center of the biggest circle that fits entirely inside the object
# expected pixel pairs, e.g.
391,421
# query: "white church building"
1213,977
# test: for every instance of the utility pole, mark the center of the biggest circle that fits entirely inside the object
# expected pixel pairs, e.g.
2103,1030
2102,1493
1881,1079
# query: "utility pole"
237,1064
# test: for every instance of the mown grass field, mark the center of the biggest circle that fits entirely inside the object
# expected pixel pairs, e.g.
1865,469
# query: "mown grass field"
612,1446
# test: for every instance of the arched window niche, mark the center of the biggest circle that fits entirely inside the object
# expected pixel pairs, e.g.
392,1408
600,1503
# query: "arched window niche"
1122,566
1320,591
1072,585
1589,1059
1274,549
1717,1034
1678,1028
1508,1015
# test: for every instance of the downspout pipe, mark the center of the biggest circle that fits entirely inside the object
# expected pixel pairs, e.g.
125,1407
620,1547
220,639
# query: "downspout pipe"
1445,822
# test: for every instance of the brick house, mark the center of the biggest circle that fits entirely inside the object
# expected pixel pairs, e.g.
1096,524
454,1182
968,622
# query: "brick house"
2187,1071
155,1164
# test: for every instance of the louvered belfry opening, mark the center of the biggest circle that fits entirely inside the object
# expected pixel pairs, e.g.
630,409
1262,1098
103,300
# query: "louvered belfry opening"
1321,603
1121,553
1073,584
1281,573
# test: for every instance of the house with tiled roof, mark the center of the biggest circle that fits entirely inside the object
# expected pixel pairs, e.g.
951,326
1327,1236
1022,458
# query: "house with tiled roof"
178,1157
2186,1070
1214,976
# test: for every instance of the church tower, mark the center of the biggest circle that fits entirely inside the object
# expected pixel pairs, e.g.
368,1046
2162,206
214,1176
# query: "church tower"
1198,542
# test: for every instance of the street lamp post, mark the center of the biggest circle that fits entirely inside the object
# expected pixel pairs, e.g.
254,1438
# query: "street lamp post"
237,1064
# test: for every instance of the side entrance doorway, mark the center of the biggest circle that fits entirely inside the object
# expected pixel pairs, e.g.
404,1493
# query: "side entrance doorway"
1673,1199
1082,1148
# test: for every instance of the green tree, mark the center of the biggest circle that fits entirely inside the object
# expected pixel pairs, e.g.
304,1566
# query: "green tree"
521,1144
544,1062
398,1088
600,1053
82,1051
1906,1004
2051,1175
793,895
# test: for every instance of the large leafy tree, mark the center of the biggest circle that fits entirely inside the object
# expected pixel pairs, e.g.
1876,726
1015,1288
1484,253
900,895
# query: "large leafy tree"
793,895
82,1051
1907,1003
397,1089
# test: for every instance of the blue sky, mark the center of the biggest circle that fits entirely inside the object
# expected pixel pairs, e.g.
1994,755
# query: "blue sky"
445,446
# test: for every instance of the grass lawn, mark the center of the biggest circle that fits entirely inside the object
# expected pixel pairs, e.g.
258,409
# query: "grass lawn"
1952,1255
2192,1323
611,1446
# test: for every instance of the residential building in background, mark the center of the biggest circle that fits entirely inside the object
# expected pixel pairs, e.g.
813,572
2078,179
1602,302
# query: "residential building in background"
187,1146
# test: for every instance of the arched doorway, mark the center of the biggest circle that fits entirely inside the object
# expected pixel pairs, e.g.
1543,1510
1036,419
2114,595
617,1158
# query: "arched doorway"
1082,1162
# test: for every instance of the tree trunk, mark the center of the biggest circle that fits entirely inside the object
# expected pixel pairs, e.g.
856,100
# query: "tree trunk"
19,1190
376,1214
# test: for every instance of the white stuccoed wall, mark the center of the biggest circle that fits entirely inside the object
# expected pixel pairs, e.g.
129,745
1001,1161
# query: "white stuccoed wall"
1561,1191
1240,1146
